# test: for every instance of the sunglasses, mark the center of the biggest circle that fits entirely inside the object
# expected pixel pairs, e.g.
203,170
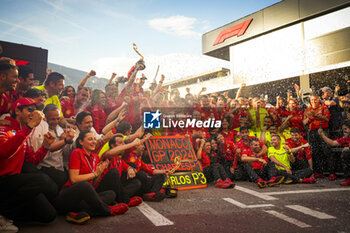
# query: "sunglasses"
30,109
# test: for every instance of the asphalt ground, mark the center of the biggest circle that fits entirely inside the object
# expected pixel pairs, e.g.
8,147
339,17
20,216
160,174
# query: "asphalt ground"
320,207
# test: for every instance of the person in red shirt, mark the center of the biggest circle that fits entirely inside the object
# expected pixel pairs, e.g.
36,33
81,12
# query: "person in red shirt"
205,110
25,196
131,185
235,112
152,179
228,153
133,113
258,167
301,150
98,103
345,143
26,82
226,131
8,82
317,116
297,116
243,143
213,171
74,106
85,172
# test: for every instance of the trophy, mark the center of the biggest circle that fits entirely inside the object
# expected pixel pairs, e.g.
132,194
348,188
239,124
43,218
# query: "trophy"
141,61
171,191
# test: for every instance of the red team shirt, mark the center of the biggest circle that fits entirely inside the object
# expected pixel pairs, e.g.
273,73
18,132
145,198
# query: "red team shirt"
297,120
117,163
256,164
228,151
344,141
243,146
315,123
132,157
15,149
205,160
99,116
67,108
304,154
85,163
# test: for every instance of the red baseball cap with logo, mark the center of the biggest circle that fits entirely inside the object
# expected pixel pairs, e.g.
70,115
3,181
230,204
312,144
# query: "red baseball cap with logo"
23,102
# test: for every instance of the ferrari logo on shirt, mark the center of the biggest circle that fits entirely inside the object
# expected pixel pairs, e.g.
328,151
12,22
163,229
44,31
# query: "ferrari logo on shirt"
132,159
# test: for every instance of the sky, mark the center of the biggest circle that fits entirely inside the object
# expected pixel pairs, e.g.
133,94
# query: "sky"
88,34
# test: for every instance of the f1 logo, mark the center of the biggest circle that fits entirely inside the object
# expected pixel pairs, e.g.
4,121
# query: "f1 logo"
151,120
236,30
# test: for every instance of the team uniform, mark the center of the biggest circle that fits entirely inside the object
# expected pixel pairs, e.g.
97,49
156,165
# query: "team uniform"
282,156
302,156
22,193
151,184
319,149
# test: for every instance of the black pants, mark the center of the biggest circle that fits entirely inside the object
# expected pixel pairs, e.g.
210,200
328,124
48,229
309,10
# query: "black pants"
58,176
82,196
296,175
30,168
214,172
240,173
131,186
346,163
25,197
300,164
322,157
150,184
111,181
266,173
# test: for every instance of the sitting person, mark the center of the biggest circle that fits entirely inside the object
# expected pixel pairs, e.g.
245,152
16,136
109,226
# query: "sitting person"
301,150
282,157
152,179
78,197
24,196
344,142
213,171
131,186
258,168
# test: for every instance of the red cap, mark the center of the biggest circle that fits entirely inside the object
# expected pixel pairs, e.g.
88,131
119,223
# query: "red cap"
23,102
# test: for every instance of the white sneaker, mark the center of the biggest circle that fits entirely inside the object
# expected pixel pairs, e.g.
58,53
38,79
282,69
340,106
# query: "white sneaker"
6,225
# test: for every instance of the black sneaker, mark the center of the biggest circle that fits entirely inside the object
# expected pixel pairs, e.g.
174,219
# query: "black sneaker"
77,218
275,181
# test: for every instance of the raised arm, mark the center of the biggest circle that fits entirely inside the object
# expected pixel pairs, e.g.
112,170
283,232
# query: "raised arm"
83,82
200,149
112,77
239,92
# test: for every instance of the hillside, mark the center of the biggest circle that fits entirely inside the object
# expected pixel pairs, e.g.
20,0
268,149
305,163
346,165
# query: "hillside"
73,77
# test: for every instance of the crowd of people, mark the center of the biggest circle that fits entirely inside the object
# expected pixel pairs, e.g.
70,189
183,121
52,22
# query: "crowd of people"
79,152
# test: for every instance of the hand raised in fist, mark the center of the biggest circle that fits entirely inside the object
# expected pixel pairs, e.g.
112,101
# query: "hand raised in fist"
49,138
92,73
35,119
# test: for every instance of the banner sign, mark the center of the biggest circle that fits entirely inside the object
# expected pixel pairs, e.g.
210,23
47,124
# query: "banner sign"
162,152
